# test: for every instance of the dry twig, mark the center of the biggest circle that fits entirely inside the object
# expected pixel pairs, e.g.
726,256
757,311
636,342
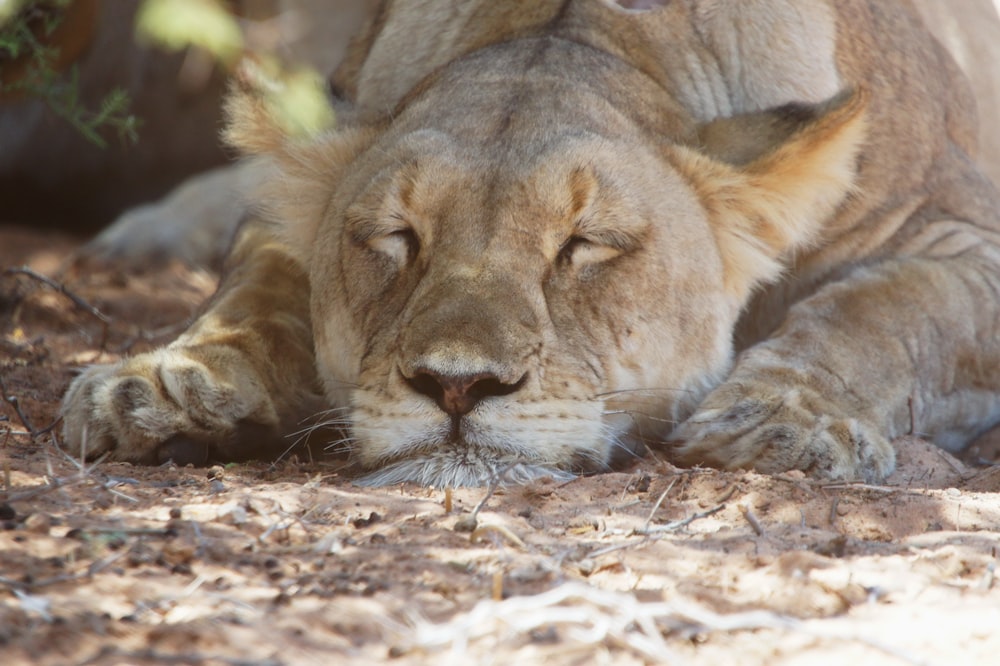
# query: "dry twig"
751,518
586,615
62,289
187,659
48,487
470,522
676,525
30,429
655,533
92,569
481,532
659,501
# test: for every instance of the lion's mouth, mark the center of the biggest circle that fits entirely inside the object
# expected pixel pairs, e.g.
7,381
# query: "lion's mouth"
493,444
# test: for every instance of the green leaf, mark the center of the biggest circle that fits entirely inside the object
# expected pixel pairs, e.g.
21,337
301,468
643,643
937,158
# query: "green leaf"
9,9
300,104
176,24
60,91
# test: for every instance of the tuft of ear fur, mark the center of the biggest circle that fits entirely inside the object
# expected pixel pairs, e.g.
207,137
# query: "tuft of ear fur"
303,172
250,127
768,199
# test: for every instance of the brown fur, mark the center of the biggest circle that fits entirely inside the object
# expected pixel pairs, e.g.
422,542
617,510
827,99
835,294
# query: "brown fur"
533,241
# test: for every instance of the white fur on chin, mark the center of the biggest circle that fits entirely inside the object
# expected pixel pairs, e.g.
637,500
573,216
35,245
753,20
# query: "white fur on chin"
451,471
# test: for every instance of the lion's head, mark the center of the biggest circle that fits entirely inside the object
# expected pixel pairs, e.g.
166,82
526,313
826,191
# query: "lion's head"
538,258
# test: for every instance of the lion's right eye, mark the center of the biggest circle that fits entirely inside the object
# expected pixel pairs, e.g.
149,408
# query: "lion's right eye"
401,245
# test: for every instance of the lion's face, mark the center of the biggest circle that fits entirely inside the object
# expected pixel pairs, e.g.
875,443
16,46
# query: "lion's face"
499,313
513,270
527,289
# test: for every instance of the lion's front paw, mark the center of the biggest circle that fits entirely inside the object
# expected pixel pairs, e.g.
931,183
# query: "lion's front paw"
750,426
164,405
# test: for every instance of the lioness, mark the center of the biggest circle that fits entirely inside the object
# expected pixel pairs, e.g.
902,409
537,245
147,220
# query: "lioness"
544,228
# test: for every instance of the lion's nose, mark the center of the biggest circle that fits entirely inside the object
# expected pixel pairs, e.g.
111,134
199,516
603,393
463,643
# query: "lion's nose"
458,395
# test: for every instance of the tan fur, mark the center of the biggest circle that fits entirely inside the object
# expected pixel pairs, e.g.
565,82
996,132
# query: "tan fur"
535,237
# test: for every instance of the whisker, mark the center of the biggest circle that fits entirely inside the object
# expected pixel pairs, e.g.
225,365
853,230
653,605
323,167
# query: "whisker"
444,473
288,450
647,402
651,405
326,412
342,445
635,413
615,438
321,425
642,390
334,408
343,384
320,421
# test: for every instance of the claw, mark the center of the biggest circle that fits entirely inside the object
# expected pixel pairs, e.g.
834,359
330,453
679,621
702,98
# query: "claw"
773,430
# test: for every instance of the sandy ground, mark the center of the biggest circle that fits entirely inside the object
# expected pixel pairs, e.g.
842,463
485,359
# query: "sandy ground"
289,563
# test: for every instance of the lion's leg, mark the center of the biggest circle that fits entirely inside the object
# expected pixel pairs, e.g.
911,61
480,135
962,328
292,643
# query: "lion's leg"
194,223
226,389
909,343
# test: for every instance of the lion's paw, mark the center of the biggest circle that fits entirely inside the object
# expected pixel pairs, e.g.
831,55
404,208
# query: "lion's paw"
750,426
163,405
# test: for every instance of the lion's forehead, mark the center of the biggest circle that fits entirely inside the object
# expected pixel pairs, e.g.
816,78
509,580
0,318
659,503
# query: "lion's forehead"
439,177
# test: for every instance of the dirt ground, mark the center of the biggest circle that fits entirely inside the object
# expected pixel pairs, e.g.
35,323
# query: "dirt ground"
289,563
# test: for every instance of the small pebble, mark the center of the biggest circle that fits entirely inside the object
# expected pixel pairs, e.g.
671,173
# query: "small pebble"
235,516
39,523
466,524
373,517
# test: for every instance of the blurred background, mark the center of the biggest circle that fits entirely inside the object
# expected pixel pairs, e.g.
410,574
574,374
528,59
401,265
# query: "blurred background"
105,104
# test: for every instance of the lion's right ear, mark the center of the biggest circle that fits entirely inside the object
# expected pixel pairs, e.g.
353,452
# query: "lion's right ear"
302,171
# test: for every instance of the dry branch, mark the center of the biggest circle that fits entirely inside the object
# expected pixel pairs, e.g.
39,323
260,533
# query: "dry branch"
92,569
676,525
751,518
149,655
588,616
62,289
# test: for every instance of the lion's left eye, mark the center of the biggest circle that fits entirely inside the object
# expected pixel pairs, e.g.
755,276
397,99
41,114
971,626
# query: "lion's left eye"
582,251
401,245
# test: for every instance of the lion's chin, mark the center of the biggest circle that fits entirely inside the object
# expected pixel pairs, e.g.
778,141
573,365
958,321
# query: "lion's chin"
449,470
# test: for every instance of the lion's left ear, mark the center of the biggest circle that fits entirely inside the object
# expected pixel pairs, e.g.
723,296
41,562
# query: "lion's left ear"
771,180
303,170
